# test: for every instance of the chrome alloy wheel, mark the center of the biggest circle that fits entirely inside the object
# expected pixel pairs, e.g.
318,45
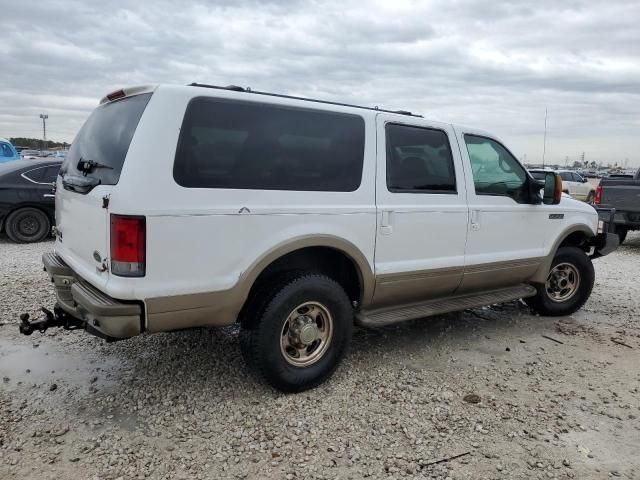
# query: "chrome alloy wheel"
563,282
306,334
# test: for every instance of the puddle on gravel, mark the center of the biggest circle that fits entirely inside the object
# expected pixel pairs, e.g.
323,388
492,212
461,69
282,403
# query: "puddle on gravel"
25,364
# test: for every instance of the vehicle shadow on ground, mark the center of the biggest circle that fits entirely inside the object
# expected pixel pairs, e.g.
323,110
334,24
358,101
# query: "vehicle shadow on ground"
4,240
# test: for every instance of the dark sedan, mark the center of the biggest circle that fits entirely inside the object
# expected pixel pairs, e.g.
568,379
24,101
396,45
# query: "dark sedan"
26,198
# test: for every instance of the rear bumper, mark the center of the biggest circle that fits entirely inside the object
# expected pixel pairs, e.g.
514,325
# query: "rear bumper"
630,220
607,240
102,314
605,243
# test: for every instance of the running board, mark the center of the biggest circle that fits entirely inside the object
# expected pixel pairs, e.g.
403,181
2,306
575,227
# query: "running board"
390,315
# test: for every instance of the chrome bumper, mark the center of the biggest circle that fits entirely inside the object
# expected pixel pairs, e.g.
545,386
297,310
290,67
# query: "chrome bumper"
102,314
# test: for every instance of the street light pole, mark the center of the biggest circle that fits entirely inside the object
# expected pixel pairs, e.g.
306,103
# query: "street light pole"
544,142
44,117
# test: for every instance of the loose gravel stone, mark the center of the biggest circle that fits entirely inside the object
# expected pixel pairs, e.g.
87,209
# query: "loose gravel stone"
182,405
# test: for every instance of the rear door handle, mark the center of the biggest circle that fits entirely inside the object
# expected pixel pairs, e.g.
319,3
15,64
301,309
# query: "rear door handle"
475,220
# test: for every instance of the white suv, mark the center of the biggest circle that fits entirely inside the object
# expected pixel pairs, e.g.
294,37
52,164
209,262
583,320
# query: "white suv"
572,183
191,206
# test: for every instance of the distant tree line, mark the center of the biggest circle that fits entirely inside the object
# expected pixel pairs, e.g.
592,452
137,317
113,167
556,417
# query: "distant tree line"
35,143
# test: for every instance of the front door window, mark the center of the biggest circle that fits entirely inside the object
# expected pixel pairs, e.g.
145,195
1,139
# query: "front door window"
495,170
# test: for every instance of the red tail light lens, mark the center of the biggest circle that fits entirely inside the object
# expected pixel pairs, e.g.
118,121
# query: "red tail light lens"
598,199
116,95
128,245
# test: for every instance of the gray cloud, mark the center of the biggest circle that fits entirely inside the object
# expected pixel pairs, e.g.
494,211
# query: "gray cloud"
496,65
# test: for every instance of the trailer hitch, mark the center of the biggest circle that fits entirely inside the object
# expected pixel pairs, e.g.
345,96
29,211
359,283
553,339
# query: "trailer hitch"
57,318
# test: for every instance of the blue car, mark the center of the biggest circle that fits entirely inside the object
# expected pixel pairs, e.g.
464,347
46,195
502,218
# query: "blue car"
7,152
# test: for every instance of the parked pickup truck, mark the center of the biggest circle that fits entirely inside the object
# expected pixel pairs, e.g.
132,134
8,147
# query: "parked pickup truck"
623,194
193,206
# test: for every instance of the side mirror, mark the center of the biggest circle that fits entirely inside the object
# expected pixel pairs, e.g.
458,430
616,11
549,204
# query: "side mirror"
584,180
552,189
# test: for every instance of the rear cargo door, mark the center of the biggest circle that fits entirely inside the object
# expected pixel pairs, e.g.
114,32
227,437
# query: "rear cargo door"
87,179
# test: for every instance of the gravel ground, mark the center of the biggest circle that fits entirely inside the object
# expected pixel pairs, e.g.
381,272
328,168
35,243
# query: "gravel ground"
484,384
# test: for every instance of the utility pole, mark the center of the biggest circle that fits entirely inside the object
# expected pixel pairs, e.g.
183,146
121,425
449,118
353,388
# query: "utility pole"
44,117
544,141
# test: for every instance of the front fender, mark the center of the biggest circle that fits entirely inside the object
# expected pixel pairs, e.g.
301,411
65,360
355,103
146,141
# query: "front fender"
543,270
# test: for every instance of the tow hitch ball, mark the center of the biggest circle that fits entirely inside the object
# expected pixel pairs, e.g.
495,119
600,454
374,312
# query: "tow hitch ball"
57,318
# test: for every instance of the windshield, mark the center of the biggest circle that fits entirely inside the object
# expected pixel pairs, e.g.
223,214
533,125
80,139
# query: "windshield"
104,139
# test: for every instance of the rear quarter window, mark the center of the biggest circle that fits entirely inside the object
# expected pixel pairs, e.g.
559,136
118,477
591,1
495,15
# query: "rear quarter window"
246,145
105,138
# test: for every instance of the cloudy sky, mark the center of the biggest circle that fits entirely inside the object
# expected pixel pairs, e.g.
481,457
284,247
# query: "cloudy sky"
495,65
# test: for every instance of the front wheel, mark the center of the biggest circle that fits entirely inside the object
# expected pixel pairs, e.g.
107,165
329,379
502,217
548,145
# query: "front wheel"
300,332
568,284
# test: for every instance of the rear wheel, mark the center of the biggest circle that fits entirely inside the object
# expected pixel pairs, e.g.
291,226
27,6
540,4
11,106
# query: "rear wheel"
27,225
298,334
568,284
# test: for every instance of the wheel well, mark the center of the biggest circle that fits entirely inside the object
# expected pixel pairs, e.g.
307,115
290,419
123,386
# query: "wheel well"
329,261
576,239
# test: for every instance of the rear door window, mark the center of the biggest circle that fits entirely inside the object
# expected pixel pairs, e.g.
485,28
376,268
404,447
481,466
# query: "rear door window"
246,145
419,160
51,173
105,138
36,175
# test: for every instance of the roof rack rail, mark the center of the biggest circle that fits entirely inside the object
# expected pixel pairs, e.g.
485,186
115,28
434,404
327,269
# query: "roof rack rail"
237,88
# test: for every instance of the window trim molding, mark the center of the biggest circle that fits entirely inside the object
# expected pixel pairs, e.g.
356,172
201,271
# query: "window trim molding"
26,177
412,191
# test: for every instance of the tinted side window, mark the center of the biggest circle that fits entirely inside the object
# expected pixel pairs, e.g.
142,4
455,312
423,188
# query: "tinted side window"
576,177
230,144
419,160
566,176
35,175
50,174
495,170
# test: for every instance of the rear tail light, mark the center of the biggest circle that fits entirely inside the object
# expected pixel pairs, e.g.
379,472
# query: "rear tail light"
598,199
128,245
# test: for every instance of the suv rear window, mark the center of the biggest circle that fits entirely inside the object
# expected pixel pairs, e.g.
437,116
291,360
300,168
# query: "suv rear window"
105,138
246,145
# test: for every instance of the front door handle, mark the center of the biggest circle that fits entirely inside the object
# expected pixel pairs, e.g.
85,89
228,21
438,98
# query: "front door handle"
385,223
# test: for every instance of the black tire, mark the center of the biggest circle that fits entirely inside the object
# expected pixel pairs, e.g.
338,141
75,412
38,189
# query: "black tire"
543,303
622,234
27,225
262,331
